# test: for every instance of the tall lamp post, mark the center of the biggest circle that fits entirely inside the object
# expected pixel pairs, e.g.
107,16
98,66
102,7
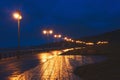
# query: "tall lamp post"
47,32
18,17
58,36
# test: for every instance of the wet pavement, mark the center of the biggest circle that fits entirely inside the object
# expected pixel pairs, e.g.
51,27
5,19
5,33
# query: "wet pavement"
44,66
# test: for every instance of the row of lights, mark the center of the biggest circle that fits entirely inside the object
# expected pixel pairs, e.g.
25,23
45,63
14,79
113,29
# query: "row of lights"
50,32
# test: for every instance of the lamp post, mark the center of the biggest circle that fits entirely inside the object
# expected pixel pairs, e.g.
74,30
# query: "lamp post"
18,17
57,36
47,32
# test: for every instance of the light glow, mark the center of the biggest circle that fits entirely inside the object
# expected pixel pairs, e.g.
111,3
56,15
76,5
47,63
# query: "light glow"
57,36
44,32
90,43
17,15
50,31
102,42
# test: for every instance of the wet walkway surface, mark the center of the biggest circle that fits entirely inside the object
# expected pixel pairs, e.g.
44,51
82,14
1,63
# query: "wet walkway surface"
45,66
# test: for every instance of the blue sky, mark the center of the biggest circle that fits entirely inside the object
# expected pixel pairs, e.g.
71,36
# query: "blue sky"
75,18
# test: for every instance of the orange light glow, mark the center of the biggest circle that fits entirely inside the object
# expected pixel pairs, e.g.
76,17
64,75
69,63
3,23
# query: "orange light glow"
50,31
16,15
57,36
44,32
89,43
79,41
65,38
102,42
72,40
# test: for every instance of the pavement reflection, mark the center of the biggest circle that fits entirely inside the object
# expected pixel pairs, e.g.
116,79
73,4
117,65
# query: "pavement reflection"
46,66
55,67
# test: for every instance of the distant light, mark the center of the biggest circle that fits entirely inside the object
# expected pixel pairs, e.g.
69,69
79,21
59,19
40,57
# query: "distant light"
102,42
50,31
72,40
57,36
44,32
89,43
65,38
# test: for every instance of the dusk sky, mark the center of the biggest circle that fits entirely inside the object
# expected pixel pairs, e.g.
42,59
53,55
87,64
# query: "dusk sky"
74,18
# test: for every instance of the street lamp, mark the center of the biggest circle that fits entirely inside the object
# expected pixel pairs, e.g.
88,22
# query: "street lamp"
47,32
17,15
57,36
